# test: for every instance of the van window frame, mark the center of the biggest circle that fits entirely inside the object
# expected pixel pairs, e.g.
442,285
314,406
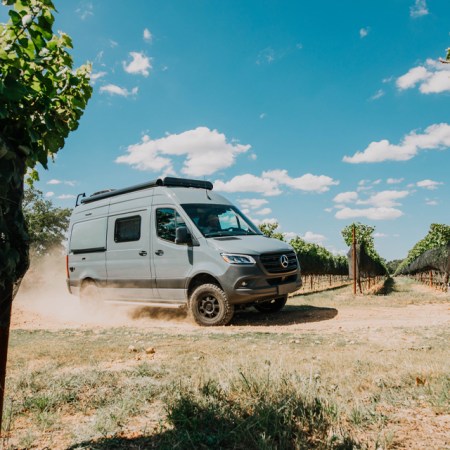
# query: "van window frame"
123,219
177,213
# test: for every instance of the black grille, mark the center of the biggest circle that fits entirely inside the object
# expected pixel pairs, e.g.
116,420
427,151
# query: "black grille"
272,262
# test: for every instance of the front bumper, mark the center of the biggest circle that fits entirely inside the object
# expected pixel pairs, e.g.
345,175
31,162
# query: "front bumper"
248,284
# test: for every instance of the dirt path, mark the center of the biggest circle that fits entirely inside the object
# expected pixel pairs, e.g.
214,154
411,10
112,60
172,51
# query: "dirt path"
53,308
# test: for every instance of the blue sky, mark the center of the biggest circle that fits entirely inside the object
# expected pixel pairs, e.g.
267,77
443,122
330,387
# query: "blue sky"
313,114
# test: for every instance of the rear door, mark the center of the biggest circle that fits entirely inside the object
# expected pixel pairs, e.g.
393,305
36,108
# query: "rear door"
173,263
128,257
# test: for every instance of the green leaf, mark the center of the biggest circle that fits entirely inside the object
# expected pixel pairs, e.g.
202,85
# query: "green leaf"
16,19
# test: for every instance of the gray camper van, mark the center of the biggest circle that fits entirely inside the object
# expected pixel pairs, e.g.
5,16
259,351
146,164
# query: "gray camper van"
174,242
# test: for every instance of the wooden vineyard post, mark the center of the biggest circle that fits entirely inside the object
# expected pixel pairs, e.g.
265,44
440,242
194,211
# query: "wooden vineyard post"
431,278
354,258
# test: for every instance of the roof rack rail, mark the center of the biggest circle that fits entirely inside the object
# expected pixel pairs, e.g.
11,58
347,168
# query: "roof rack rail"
167,181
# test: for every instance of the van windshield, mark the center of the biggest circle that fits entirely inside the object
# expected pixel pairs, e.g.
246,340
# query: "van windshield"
219,220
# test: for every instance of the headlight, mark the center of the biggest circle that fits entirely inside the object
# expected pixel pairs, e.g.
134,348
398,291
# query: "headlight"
232,258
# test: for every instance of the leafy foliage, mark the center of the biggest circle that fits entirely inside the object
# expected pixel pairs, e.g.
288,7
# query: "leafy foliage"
42,99
393,265
270,230
438,236
364,237
314,259
46,223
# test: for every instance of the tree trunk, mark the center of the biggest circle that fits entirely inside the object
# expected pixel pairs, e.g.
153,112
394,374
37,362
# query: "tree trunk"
14,248
5,319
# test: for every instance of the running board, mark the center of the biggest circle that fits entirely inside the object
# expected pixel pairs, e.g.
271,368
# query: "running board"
148,304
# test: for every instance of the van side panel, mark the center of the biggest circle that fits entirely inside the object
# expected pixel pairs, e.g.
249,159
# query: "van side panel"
87,246
128,257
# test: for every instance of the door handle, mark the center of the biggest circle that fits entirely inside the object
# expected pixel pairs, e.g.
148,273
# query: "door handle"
143,253
159,252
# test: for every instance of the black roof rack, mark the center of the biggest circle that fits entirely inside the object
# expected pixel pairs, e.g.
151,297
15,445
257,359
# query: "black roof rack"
167,181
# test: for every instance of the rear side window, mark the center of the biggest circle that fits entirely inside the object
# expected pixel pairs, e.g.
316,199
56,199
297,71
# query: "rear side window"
167,221
89,236
127,229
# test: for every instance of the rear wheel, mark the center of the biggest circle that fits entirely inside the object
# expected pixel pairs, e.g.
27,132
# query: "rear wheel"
209,306
271,306
90,296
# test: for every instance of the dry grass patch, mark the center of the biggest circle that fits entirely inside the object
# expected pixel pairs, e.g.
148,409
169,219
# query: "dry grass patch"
244,386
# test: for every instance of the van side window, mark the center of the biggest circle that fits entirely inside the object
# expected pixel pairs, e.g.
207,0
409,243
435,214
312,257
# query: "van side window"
127,229
167,221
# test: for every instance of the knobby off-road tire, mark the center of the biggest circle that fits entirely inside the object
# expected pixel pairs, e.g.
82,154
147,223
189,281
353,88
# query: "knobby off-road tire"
271,306
209,306
91,299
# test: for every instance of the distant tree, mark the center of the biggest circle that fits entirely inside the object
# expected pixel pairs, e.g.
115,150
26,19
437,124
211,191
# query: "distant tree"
46,223
42,99
393,265
270,230
447,58
363,234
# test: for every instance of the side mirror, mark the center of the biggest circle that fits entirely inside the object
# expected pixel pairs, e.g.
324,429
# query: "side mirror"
182,236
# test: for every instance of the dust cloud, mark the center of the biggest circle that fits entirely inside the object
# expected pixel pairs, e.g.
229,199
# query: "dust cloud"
43,301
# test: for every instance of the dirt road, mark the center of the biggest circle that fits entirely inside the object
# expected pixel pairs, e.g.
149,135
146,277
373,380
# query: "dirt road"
412,305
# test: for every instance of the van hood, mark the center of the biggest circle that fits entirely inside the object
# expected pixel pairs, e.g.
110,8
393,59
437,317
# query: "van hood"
248,245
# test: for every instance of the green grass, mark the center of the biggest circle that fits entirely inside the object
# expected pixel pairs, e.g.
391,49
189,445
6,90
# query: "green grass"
230,387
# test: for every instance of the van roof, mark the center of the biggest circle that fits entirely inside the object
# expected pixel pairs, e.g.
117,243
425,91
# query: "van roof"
167,181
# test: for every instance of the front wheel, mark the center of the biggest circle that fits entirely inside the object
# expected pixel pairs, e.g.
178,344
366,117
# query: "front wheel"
271,306
209,306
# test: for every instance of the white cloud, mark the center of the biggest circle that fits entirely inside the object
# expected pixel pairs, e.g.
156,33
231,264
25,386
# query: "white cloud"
270,183
377,95
315,238
369,213
419,9
307,182
363,32
66,196
384,199
139,65
270,221
429,184
147,35
380,235
346,197
435,137
85,10
263,212
394,180
262,115
252,203
53,181
206,151
112,89
431,202
381,205
96,76
266,56
432,78
249,183
49,194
